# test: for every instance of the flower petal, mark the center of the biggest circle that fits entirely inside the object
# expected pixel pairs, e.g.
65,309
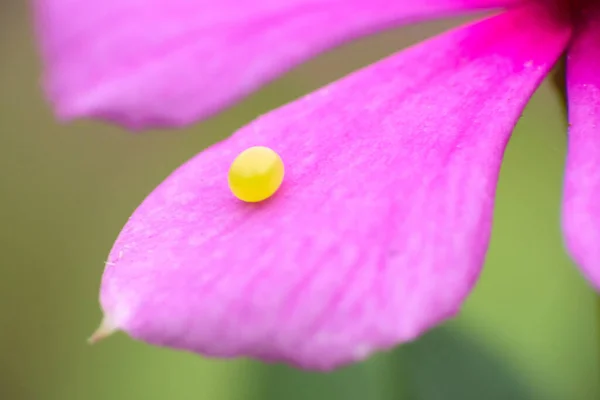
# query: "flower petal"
581,207
147,63
379,230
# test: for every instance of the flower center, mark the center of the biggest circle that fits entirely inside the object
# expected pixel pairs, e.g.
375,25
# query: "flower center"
573,11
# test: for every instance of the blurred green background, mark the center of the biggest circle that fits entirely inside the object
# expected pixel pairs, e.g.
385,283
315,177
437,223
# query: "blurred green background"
529,331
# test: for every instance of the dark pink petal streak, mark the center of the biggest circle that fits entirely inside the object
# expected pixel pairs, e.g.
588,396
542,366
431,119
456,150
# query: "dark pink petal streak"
581,208
379,230
146,63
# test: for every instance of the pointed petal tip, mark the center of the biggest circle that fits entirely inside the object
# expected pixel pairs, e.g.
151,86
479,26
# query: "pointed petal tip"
106,329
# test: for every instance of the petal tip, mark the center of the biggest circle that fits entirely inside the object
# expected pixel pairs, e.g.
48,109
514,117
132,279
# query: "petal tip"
106,329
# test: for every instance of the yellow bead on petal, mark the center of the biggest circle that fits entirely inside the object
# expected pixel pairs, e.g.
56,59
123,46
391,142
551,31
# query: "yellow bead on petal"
256,174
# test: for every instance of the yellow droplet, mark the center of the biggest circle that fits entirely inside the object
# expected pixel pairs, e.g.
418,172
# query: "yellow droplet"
256,174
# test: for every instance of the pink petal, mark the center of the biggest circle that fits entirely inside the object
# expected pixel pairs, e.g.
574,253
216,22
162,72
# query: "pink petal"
379,230
145,63
581,208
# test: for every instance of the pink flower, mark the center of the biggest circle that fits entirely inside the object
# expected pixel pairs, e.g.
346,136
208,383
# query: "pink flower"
382,224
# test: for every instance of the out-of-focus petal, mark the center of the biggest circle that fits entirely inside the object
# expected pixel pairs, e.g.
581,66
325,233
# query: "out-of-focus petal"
379,230
147,63
581,208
